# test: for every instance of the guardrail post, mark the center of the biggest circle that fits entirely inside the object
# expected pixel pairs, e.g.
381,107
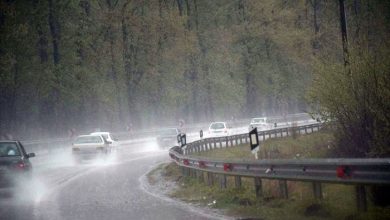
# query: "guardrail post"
227,142
220,143
312,128
237,181
231,142
193,173
283,188
263,136
361,199
215,143
258,187
222,181
210,179
317,190
305,130
287,131
200,176
185,171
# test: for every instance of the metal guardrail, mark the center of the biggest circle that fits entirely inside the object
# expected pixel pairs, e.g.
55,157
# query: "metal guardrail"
48,145
64,143
229,141
359,172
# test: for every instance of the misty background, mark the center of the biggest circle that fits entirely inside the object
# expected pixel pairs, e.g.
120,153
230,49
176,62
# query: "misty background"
110,64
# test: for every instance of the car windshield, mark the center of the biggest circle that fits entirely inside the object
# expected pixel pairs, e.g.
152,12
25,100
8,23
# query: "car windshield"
9,150
258,120
88,139
169,132
217,126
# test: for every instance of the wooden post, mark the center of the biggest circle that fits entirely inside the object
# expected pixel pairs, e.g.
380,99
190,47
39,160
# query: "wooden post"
237,181
317,190
361,198
210,179
283,188
200,176
258,187
222,181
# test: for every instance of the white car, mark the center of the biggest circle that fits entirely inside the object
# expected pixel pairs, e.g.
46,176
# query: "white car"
219,129
108,137
260,124
87,146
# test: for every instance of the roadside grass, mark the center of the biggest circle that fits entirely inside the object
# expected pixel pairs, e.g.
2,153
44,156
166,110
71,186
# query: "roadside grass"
316,145
338,203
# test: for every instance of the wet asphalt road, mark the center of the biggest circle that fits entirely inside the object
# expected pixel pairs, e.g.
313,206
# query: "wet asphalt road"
94,190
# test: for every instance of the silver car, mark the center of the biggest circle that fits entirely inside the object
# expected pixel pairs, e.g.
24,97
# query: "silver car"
259,123
87,146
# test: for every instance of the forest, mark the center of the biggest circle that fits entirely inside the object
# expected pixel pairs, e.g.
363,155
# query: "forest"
85,64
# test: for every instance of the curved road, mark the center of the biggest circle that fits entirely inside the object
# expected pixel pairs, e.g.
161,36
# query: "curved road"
110,189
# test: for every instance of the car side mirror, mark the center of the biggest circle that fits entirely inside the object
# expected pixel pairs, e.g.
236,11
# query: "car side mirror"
31,155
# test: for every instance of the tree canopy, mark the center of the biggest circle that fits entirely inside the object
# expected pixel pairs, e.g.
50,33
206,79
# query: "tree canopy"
85,64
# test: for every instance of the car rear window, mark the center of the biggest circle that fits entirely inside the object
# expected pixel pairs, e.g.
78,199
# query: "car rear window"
9,150
88,140
217,126
258,120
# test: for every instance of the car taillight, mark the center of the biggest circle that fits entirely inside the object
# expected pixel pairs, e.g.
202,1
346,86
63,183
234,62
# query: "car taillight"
20,165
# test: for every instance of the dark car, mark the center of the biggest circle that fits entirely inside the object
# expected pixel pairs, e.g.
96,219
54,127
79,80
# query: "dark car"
168,137
14,163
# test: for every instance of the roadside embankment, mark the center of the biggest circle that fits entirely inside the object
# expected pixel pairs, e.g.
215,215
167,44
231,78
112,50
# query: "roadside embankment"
338,201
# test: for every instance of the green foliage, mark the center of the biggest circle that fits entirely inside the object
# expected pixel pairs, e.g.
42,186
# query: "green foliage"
356,98
86,64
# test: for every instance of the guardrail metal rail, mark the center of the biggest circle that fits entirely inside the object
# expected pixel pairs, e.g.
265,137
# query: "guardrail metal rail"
233,140
358,172
50,145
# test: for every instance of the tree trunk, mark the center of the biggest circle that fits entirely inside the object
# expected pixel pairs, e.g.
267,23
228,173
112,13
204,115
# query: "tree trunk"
55,32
